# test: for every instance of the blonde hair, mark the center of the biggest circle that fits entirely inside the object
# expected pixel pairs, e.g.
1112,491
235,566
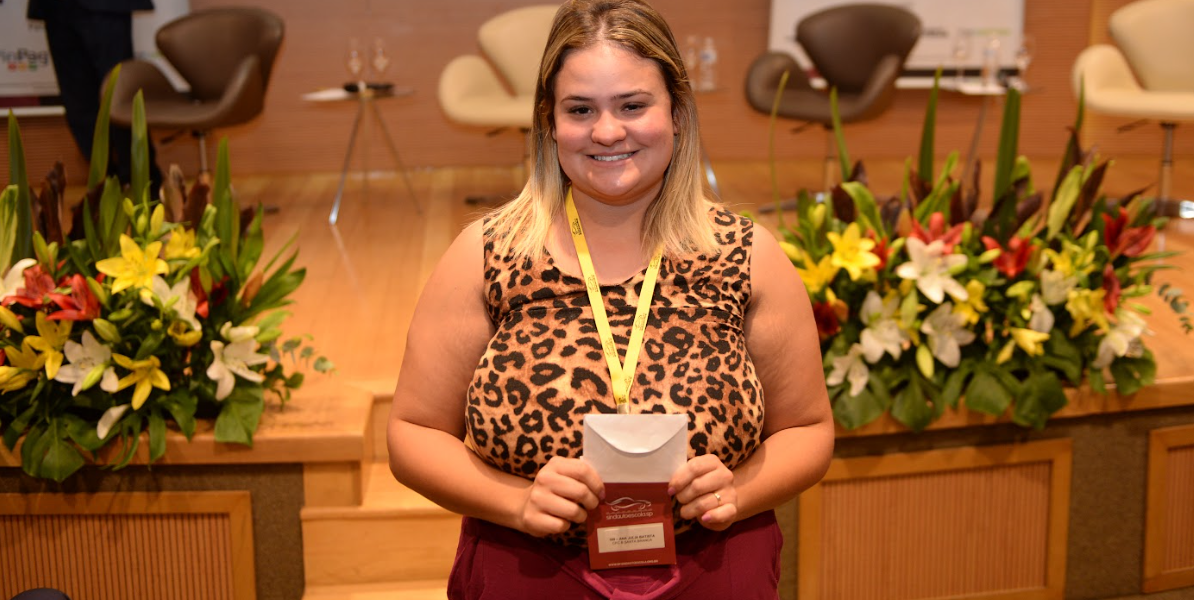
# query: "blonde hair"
678,219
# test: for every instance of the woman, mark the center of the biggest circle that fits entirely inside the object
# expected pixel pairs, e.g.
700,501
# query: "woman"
504,359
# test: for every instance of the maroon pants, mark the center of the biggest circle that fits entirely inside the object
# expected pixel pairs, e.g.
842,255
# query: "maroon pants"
497,563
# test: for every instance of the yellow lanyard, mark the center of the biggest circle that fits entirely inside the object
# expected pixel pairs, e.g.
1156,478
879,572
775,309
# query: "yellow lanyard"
622,376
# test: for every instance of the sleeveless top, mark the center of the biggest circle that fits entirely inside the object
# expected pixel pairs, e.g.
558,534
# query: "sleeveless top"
543,370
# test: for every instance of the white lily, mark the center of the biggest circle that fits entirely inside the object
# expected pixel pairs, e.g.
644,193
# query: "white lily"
110,418
929,265
178,298
850,367
85,358
15,277
234,359
883,332
1128,329
947,334
1056,286
1041,319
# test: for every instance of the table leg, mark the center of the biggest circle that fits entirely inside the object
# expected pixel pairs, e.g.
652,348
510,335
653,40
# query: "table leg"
385,131
352,141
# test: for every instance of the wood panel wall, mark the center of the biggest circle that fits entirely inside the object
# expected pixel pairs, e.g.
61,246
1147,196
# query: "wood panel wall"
984,522
1169,533
115,546
294,135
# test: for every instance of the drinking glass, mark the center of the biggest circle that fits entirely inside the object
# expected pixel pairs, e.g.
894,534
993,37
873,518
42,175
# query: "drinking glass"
381,59
1024,57
355,61
961,51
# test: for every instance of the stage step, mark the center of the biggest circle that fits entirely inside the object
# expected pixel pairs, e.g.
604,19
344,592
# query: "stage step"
395,536
409,590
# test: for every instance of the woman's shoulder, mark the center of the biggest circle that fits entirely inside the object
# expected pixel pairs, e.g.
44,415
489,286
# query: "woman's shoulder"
729,227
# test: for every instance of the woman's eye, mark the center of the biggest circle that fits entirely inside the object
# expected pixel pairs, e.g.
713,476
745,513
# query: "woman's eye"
633,107
579,110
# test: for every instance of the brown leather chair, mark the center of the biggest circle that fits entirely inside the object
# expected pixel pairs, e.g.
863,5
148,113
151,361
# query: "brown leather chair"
224,54
859,49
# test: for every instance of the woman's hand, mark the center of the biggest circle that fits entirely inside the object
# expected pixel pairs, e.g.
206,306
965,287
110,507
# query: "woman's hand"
704,487
562,494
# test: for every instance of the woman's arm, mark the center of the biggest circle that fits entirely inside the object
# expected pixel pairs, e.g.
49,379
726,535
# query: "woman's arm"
798,431
448,335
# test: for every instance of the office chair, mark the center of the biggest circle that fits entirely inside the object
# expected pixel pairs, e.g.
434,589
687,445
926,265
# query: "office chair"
859,49
224,54
1147,74
472,93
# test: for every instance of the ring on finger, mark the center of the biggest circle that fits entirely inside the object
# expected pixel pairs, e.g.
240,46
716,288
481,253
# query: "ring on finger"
718,497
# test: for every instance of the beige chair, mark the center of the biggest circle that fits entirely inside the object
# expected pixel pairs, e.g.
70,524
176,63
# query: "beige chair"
859,49
1147,74
473,93
224,54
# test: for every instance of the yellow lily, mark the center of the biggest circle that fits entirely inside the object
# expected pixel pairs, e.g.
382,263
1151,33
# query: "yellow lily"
145,374
134,268
973,306
1031,342
24,365
852,252
1086,307
51,339
819,275
181,245
791,250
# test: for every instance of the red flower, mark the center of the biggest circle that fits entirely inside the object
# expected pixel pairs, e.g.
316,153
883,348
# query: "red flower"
881,250
827,322
219,292
1112,287
1121,239
1015,256
38,286
937,231
80,305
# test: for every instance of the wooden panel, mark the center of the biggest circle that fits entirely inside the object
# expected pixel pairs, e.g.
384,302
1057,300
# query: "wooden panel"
986,522
1169,533
115,546
293,135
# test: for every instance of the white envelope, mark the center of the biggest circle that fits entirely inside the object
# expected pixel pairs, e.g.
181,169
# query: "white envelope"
642,448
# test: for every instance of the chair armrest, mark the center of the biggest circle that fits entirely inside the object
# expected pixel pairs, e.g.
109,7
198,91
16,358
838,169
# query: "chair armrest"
1102,67
243,98
136,75
876,95
468,84
763,77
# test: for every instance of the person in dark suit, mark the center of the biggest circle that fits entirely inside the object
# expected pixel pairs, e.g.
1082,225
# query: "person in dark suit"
87,39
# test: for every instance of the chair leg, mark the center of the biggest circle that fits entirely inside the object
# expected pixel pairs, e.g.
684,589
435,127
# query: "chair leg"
1166,204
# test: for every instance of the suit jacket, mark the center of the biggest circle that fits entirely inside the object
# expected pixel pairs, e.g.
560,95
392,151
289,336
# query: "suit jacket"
40,9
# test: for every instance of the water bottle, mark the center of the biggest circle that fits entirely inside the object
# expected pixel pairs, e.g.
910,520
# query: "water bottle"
708,78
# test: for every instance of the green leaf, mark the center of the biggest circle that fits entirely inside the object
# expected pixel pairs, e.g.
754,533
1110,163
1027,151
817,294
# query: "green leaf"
1063,355
853,412
868,209
157,435
1132,374
113,220
8,227
61,460
912,406
1009,136
250,250
927,133
1063,201
843,154
986,394
19,178
1041,396
227,215
99,141
83,432
139,165
239,415
955,383
1097,382
181,405
323,365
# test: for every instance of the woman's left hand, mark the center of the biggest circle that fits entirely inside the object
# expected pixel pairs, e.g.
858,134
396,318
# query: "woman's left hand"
704,487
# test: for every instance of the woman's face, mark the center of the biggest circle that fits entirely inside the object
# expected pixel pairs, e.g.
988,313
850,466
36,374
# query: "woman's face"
613,124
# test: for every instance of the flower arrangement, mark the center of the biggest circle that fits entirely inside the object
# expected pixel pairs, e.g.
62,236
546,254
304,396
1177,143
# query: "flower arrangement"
147,313
923,301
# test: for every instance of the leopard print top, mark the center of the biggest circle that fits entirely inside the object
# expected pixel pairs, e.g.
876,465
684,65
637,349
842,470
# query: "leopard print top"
543,370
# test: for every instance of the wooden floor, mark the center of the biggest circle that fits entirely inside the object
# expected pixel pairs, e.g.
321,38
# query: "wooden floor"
364,274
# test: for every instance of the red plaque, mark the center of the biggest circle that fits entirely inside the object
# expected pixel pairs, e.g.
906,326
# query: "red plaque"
632,527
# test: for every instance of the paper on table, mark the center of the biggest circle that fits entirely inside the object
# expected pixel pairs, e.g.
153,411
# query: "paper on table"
640,448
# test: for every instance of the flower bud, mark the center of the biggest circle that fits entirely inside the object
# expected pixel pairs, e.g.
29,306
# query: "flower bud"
142,222
106,330
156,325
156,219
120,315
818,215
129,208
251,288
93,377
989,256
100,293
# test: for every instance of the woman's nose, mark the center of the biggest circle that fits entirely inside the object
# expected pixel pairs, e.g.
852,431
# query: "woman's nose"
608,130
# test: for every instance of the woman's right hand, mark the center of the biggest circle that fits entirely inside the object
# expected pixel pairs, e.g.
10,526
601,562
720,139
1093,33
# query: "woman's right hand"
561,494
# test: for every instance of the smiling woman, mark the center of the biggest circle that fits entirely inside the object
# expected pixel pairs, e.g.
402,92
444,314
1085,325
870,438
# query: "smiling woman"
612,250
